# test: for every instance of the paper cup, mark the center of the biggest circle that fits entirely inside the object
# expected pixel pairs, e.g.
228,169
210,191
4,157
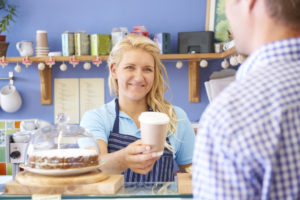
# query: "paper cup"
154,128
41,40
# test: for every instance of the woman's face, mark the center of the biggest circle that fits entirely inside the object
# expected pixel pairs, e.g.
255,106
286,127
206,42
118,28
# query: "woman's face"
134,74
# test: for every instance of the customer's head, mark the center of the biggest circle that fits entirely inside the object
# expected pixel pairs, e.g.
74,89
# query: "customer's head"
286,12
137,42
255,22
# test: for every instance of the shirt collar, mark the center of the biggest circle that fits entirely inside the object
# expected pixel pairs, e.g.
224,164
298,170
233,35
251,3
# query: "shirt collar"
282,50
112,107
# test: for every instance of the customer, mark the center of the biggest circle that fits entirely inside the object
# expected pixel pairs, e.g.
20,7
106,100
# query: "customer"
136,77
248,142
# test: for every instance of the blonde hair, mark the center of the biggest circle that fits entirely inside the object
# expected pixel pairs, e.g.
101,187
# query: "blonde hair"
155,97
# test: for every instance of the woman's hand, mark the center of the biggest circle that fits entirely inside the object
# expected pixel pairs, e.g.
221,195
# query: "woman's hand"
137,159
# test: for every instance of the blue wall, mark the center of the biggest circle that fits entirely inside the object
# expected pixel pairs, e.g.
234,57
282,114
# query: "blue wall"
94,16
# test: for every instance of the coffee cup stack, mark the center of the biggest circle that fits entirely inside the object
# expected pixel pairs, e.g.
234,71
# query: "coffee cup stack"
41,43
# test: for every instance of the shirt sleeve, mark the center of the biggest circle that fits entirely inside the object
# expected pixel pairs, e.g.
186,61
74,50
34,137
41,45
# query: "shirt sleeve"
184,139
95,122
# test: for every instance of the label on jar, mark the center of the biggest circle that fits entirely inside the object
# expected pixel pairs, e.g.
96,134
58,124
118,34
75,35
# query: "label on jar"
95,44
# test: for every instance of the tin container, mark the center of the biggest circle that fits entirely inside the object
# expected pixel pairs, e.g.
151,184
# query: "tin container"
105,44
67,40
163,40
118,34
82,43
95,44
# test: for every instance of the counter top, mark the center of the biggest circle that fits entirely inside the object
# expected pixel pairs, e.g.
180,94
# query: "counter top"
128,190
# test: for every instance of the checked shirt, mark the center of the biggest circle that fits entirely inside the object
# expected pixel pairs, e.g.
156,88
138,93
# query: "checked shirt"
248,140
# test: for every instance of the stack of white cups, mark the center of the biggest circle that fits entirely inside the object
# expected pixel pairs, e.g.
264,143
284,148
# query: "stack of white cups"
41,43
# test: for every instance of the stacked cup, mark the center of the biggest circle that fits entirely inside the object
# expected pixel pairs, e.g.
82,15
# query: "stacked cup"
41,43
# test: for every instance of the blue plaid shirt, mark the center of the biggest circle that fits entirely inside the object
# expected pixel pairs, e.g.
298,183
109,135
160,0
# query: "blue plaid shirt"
248,141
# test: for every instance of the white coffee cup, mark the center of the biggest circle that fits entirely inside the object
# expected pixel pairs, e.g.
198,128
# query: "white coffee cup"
25,48
154,128
10,99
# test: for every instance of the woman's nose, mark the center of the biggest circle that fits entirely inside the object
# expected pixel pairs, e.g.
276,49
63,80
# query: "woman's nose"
138,75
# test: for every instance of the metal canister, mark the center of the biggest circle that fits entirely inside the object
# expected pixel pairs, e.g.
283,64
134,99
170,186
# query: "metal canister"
82,43
105,44
67,40
95,44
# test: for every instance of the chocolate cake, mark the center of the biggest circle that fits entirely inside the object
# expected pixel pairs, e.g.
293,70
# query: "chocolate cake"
63,158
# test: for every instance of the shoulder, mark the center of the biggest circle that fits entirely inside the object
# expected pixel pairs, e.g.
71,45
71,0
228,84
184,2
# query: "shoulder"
105,112
184,125
99,121
180,113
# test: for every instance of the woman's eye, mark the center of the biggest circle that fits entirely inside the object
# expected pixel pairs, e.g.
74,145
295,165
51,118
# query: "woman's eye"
129,67
148,69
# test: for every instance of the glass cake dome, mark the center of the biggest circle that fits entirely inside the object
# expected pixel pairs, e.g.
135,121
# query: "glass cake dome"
62,149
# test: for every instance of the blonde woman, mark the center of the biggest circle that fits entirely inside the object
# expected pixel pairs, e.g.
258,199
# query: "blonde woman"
136,78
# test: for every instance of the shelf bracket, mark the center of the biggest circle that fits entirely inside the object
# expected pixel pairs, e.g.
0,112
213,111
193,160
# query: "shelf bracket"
194,90
46,86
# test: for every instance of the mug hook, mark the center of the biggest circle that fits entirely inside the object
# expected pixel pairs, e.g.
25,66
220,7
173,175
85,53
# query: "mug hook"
11,80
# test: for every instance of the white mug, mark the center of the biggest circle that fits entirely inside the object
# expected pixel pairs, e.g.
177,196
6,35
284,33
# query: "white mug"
25,48
10,99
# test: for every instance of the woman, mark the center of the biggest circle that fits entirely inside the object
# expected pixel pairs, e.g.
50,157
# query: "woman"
136,77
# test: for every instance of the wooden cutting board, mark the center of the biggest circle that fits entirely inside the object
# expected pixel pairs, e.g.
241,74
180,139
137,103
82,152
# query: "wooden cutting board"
184,182
86,184
28,178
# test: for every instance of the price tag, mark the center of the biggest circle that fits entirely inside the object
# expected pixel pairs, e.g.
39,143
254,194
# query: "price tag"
46,197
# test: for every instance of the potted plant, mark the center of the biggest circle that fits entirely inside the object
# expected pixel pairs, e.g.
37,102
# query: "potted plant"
8,12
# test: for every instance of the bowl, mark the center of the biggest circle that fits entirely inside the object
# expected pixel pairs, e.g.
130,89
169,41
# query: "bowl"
21,137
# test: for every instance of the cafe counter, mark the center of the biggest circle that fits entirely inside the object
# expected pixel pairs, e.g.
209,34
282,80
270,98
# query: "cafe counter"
161,190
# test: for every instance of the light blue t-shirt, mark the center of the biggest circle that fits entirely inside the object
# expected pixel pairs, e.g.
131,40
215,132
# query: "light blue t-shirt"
100,122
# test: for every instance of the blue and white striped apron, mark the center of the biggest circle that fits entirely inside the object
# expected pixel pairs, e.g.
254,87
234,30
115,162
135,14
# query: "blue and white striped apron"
163,168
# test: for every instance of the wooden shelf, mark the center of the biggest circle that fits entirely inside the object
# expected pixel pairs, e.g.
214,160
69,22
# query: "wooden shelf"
194,59
196,56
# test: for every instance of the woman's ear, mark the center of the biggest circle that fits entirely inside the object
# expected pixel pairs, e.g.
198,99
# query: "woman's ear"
113,70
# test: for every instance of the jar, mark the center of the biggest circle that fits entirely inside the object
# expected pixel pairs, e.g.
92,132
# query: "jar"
67,40
82,43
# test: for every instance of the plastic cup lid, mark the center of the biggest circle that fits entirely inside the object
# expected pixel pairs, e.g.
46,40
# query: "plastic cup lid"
154,118
41,31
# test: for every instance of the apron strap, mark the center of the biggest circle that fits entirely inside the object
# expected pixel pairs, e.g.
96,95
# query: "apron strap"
116,123
117,109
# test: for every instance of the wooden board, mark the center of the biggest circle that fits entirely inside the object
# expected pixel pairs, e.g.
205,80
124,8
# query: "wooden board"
28,178
184,183
110,185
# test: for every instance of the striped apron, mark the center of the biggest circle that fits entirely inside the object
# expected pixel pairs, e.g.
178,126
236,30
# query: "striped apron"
163,168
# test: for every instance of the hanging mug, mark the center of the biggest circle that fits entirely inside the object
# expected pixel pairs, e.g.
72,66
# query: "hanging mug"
25,48
10,99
